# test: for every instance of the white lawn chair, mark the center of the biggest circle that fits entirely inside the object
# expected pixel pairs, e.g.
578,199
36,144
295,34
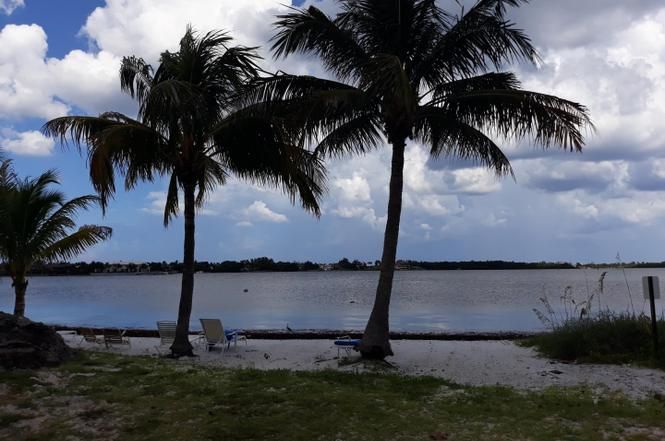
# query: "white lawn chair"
166,329
214,334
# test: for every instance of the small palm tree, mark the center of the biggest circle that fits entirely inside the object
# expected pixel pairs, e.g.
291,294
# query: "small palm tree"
189,130
35,226
408,70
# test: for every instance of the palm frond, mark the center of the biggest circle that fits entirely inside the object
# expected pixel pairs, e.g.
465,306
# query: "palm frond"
76,243
171,207
520,114
281,86
309,106
354,137
260,151
114,142
488,81
55,222
213,175
35,221
136,78
448,136
7,174
482,38
310,31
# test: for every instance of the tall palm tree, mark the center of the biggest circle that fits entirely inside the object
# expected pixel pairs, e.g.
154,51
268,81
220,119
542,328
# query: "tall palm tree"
188,129
408,70
35,226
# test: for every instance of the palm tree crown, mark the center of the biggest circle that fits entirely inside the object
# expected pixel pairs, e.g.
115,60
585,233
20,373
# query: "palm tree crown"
189,129
408,70
186,128
36,225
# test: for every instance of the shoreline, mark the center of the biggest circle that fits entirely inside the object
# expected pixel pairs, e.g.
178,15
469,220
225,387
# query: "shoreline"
325,334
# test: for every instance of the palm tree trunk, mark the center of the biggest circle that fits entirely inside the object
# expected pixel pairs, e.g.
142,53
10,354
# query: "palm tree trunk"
181,345
376,340
20,286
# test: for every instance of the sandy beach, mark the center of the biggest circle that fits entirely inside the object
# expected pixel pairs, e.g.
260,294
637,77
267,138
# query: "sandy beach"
485,363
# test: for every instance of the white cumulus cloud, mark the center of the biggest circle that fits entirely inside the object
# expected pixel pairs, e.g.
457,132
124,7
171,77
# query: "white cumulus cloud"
30,143
260,211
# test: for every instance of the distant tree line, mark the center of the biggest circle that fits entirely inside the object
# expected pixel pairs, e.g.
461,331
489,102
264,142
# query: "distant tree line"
266,264
485,265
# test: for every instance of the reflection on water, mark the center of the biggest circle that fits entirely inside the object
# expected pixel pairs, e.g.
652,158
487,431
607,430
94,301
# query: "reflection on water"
422,300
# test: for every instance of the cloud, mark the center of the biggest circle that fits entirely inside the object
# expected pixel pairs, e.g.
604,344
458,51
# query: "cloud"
559,176
355,189
32,86
571,23
437,205
157,201
24,78
648,175
474,181
260,211
366,214
30,143
636,208
8,6
148,27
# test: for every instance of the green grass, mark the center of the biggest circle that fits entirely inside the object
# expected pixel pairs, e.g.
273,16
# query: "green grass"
608,338
106,396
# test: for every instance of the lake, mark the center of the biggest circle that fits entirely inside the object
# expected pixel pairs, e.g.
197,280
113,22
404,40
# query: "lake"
429,301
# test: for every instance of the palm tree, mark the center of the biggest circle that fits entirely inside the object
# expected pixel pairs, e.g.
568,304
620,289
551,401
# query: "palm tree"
35,224
187,128
408,70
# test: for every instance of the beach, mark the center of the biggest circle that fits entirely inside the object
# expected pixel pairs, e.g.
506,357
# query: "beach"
474,363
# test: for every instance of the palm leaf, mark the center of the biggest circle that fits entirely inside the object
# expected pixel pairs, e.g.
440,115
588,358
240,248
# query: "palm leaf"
76,243
482,38
311,31
522,114
448,136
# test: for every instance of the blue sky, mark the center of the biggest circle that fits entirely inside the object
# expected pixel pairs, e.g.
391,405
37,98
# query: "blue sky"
61,57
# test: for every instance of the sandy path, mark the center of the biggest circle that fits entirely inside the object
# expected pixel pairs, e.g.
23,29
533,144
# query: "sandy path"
473,363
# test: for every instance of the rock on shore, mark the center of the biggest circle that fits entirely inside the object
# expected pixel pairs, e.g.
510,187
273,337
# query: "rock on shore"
25,344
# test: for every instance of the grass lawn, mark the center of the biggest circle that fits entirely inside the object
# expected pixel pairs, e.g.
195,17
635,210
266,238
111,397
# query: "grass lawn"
104,397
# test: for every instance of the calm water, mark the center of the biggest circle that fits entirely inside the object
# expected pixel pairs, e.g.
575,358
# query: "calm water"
422,300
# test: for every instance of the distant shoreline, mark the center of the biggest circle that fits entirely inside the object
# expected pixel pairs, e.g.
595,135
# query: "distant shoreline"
164,273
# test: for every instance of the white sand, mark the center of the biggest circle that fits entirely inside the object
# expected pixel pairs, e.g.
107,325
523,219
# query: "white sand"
462,362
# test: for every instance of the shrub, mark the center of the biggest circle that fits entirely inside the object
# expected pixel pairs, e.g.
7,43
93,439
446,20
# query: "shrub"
607,338
604,337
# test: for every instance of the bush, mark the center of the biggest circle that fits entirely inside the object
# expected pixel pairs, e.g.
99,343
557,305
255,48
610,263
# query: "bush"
604,338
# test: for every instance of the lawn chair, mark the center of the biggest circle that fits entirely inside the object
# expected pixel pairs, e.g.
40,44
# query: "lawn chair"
112,338
214,334
347,344
89,336
166,329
